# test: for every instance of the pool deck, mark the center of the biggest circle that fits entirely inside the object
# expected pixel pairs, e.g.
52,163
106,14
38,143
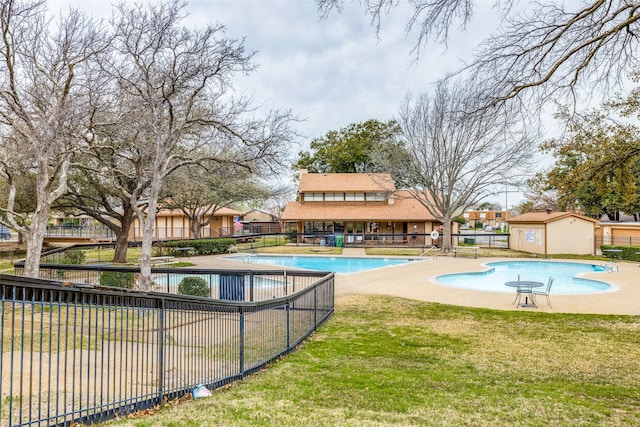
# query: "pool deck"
416,281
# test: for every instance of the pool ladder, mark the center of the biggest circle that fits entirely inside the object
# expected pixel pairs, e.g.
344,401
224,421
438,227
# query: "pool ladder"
433,250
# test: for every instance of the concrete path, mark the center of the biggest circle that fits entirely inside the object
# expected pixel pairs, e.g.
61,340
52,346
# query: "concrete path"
353,252
417,281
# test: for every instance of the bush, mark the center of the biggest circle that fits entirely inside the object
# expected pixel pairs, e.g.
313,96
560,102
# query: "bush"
118,279
200,246
73,256
195,286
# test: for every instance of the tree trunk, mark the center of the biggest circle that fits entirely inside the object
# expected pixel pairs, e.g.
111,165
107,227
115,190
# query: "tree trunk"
446,234
195,228
148,226
122,237
35,237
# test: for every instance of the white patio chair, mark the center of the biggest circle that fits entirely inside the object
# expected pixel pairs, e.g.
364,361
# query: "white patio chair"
545,291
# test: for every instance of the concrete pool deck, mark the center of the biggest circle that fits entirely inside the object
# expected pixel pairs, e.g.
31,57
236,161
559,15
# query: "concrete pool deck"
416,281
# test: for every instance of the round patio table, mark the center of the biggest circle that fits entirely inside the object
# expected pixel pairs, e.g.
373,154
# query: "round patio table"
525,287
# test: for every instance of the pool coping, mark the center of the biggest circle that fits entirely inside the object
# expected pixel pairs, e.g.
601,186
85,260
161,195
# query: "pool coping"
414,281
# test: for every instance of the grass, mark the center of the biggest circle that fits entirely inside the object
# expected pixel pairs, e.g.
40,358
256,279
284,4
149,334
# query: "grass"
396,362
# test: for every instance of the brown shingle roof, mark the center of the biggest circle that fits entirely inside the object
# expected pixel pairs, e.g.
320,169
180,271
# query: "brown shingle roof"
318,182
544,217
404,208
177,212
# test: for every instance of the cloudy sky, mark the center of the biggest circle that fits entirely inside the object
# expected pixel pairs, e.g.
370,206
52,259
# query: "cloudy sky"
330,72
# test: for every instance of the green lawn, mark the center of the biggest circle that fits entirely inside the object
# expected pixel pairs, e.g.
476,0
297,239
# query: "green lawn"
389,361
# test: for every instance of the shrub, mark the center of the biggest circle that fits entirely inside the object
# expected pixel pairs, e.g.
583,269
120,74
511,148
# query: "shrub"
118,279
73,256
195,286
200,246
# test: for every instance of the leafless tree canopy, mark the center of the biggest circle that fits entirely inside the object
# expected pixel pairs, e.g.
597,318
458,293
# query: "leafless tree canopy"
45,80
552,46
459,152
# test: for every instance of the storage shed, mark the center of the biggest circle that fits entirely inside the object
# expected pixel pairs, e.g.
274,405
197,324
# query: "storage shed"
550,233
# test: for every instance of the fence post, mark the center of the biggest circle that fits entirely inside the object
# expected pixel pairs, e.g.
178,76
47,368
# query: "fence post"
241,355
251,286
315,308
288,325
161,335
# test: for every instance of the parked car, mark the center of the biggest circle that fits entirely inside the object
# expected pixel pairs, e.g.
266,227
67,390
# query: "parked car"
5,233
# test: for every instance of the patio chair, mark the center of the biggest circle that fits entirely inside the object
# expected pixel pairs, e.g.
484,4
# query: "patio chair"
545,291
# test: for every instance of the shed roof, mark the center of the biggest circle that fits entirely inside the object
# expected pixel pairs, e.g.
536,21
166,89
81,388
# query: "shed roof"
544,217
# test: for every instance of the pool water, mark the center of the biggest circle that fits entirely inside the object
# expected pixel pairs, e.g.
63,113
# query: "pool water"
566,275
325,263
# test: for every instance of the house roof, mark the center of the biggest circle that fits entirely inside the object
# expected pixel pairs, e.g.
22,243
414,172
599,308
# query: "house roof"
544,217
404,208
178,212
372,182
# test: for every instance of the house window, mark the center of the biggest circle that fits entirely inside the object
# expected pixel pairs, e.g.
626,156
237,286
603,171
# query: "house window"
334,197
376,197
312,197
354,197
498,215
483,215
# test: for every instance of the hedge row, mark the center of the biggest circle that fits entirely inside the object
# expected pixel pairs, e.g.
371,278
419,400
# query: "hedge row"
629,253
200,246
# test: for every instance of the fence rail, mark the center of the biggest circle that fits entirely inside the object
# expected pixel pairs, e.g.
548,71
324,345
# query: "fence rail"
85,353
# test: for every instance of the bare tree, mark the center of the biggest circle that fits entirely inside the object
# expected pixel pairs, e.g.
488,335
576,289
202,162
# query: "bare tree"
200,193
172,99
45,77
458,156
277,202
100,184
554,47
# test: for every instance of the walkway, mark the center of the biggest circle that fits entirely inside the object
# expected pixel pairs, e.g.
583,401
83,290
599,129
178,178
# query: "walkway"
417,281
353,252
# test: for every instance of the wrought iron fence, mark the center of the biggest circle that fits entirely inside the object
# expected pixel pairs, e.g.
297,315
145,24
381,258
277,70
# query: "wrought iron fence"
85,353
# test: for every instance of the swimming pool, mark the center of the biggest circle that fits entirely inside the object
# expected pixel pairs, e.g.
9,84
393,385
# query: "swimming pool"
325,263
567,276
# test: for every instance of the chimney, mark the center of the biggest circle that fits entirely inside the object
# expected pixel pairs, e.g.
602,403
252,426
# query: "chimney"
548,211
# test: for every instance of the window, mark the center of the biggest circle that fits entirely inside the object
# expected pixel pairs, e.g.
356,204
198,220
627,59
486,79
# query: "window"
334,197
498,215
312,197
354,197
376,197
483,215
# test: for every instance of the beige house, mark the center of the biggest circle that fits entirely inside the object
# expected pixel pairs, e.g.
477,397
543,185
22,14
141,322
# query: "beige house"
548,233
360,209
174,224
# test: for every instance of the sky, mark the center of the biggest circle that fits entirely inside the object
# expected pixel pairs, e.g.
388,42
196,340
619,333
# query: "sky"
330,72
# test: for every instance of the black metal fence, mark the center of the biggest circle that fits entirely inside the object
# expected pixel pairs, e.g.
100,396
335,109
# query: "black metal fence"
491,240
84,353
234,285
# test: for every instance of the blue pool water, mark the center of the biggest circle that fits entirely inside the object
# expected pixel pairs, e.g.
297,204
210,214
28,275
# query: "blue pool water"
325,263
566,275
